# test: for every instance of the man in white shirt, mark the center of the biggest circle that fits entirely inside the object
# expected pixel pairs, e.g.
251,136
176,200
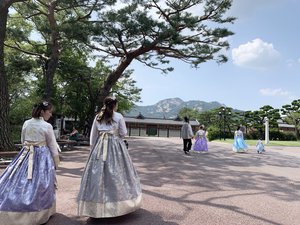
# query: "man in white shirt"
187,135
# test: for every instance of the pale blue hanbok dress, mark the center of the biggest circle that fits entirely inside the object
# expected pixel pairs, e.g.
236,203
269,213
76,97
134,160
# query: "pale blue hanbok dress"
260,148
110,185
239,144
27,186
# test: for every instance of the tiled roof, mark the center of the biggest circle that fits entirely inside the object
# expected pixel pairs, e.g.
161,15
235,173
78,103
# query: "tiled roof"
159,121
286,125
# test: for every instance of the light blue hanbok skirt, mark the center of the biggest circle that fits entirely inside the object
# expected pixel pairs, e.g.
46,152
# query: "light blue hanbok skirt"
239,145
260,148
28,198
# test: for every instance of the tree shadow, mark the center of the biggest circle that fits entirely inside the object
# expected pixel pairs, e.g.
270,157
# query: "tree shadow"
76,157
165,165
61,219
138,217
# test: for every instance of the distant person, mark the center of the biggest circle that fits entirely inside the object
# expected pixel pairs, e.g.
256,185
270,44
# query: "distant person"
200,144
239,144
27,185
74,134
110,185
187,135
56,132
86,129
260,148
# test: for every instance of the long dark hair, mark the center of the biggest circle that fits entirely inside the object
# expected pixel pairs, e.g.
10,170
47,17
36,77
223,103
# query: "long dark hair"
106,113
37,108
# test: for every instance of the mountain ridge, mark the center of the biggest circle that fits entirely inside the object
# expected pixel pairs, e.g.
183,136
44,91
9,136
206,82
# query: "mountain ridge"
169,108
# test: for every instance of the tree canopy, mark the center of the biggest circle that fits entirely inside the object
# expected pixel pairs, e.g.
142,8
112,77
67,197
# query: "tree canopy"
291,113
116,32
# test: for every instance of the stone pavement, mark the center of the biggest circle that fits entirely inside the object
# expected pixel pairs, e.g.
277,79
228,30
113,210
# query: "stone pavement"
218,187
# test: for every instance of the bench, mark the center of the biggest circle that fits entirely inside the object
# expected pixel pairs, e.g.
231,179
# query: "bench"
7,157
66,144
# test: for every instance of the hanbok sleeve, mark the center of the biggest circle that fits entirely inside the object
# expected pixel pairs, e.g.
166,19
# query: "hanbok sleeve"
122,127
52,144
23,133
94,132
191,133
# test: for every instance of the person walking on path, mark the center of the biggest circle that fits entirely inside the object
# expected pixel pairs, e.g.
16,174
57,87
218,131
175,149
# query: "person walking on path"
27,186
110,185
187,135
239,144
200,144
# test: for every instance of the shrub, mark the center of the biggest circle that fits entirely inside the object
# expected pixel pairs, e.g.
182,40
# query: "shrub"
289,136
213,133
273,135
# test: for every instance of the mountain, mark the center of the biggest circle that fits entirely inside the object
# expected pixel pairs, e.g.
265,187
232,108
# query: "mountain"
169,108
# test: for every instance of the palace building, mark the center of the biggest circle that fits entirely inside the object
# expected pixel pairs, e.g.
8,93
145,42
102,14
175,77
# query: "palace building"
141,126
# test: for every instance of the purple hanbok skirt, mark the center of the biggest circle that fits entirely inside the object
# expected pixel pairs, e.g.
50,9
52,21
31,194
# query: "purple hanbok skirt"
28,201
200,144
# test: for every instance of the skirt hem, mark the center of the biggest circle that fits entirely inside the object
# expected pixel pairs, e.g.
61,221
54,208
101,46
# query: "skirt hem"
27,218
109,209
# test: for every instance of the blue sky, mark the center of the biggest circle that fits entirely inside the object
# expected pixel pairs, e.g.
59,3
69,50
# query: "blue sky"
263,66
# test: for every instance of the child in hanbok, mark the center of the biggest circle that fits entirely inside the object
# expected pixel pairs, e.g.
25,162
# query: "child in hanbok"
200,144
260,148
27,186
239,144
110,185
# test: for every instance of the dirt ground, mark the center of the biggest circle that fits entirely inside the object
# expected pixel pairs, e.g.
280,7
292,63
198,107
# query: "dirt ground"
217,187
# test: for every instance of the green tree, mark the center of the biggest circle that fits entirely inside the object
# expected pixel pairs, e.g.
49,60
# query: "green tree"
244,118
188,112
292,115
258,118
208,118
225,120
152,33
79,84
50,23
5,129
149,32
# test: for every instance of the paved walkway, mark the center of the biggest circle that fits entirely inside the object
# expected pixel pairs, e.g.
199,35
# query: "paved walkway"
218,187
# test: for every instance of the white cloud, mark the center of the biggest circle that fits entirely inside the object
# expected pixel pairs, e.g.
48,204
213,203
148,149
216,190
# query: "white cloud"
255,54
299,60
274,92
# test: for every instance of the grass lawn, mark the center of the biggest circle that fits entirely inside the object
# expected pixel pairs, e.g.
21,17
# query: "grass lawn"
272,143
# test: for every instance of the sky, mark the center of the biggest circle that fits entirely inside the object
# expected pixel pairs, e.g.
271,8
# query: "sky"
262,69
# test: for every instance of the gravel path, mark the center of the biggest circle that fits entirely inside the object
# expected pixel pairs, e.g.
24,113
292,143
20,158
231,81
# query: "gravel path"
218,187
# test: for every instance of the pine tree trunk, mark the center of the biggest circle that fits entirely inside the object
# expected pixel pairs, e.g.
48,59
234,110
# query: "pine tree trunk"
6,143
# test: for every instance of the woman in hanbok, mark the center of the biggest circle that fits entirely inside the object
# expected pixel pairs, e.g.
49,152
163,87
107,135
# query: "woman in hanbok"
110,185
239,144
27,185
260,148
200,144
